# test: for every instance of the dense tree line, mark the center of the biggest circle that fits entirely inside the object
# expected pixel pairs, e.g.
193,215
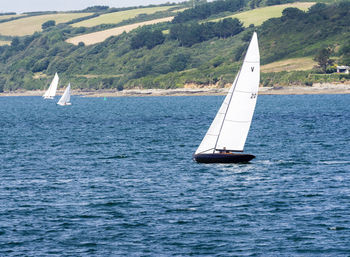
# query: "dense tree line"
192,33
96,8
147,37
7,13
203,11
275,2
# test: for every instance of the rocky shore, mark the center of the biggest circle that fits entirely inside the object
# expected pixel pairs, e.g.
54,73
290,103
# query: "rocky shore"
325,88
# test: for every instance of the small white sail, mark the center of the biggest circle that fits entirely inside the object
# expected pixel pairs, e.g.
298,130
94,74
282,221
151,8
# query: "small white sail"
230,128
51,91
65,99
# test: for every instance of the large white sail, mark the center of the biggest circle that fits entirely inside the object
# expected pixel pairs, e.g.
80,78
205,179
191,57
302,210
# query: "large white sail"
65,99
230,128
51,92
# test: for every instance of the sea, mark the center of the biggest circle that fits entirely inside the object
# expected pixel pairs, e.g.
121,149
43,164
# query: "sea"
115,177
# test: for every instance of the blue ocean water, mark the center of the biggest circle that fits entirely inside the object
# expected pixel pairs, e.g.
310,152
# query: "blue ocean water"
116,177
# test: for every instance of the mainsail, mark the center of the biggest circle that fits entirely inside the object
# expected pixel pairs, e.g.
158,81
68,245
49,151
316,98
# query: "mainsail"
230,128
51,92
65,99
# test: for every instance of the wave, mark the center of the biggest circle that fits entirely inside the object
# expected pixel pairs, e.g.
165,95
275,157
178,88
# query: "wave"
334,162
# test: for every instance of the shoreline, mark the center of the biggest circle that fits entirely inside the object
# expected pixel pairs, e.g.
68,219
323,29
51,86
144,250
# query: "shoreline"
324,88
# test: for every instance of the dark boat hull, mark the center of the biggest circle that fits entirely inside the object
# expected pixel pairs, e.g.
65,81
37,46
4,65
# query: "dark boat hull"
223,158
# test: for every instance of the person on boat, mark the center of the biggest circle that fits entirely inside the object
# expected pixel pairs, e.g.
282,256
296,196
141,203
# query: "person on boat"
224,150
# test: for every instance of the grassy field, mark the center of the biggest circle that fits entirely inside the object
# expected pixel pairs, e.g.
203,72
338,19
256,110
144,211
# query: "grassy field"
179,10
100,36
259,15
4,17
116,17
27,26
295,64
4,43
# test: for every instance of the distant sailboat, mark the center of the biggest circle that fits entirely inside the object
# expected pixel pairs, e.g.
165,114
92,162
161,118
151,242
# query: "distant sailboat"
65,99
51,92
229,130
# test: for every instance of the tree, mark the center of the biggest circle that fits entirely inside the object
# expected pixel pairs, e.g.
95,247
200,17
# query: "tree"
228,27
148,38
15,42
48,24
2,84
345,54
323,58
41,65
154,38
96,8
205,10
292,13
178,62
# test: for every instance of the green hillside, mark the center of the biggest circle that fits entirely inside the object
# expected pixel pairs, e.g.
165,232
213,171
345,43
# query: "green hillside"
193,51
259,15
117,17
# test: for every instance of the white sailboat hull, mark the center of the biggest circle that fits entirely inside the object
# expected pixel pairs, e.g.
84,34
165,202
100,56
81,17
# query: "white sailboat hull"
63,104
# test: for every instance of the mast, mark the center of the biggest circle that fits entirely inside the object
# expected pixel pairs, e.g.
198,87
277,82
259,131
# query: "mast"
228,105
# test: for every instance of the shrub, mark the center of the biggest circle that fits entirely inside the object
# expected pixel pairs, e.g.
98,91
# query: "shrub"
148,38
48,24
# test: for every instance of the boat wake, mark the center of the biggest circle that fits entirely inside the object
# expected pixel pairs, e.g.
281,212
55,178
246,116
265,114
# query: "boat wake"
334,162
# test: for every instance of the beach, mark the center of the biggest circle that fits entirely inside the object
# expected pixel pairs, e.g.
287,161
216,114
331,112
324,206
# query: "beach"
317,88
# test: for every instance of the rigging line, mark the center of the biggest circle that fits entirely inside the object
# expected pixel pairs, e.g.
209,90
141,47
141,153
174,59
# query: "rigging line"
239,121
240,91
212,135
231,150
205,151
228,104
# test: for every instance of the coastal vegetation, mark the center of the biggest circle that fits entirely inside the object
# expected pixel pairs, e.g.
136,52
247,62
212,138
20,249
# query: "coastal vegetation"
193,51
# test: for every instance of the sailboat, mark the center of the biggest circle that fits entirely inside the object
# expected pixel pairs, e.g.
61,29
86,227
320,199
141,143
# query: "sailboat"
226,136
51,91
65,98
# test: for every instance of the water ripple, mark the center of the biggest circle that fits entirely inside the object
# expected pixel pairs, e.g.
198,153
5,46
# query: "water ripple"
117,178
